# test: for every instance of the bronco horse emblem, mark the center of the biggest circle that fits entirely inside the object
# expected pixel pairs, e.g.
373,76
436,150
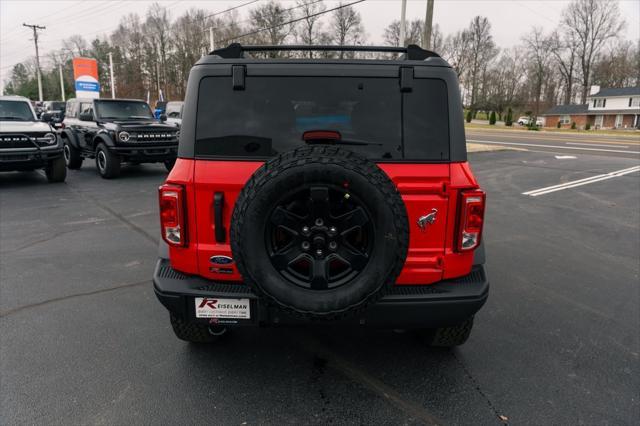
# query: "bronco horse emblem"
428,219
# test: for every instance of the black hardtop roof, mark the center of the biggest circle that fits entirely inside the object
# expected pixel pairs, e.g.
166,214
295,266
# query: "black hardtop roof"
237,51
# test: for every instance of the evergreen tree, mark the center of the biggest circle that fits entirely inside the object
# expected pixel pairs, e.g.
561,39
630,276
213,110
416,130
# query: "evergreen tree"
509,120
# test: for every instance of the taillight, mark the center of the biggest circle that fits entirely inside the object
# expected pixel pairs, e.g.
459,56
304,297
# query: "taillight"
172,214
471,219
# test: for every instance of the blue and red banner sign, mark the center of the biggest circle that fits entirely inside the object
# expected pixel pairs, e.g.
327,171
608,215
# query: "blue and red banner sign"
85,73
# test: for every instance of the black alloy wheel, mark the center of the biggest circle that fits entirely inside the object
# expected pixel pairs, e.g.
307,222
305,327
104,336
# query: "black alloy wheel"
319,237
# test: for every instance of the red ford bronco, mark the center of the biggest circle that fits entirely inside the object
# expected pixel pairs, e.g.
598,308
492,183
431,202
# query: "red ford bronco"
325,191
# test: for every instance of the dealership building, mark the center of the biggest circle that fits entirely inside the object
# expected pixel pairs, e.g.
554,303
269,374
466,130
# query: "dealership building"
613,108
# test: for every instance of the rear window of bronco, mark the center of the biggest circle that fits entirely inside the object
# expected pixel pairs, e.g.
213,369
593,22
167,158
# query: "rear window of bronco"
372,115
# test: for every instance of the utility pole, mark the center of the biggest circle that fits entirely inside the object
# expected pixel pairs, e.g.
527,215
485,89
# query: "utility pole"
35,29
428,23
61,81
113,84
403,23
212,40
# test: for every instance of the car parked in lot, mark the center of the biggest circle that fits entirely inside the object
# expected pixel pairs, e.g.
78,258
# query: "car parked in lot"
526,121
334,192
174,112
27,143
113,131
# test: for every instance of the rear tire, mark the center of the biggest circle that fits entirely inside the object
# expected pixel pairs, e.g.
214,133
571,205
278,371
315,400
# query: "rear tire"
107,163
448,337
72,156
196,333
56,170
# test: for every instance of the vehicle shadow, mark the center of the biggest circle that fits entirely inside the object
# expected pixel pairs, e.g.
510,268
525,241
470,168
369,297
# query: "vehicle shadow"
127,171
22,179
391,366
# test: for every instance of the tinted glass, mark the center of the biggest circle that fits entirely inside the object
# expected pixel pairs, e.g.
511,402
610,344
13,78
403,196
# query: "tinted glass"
272,113
71,109
123,110
56,106
174,109
15,111
372,116
426,121
86,108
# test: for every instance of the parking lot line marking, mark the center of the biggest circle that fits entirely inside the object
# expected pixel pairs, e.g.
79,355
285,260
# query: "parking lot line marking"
554,146
598,144
580,182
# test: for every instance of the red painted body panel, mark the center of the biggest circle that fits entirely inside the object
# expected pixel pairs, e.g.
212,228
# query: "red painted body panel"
423,187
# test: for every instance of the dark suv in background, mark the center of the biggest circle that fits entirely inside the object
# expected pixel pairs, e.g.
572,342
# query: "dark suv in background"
322,191
113,131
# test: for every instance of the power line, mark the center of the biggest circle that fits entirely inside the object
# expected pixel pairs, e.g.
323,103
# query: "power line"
287,10
232,8
291,21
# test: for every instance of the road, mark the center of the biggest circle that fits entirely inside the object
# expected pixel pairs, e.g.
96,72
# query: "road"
84,341
624,145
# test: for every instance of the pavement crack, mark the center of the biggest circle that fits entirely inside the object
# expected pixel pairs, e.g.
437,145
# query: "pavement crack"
478,389
374,385
40,241
147,236
71,296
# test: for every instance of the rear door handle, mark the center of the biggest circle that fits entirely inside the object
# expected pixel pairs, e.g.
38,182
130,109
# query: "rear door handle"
218,204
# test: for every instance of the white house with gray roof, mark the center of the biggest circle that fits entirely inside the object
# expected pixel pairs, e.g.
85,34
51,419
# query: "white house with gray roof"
608,108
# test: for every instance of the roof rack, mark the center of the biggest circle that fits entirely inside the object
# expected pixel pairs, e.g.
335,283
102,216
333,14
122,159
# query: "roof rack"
411,52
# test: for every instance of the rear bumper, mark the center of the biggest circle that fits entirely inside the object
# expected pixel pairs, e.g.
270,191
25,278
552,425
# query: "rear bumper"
444,303
27,158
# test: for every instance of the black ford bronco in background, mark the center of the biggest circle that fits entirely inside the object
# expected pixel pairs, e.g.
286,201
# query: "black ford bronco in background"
322,191
26,143
113,131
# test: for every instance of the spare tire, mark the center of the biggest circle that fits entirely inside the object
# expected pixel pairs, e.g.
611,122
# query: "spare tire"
320,232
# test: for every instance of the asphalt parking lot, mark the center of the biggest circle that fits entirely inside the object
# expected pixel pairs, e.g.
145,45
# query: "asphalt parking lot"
84,341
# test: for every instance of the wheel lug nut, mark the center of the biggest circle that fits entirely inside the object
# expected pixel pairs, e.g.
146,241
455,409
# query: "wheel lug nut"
319,252
305,229
333,230
333,245
319,222
305,245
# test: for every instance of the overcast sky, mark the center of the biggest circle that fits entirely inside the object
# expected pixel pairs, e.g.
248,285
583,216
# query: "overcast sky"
509,19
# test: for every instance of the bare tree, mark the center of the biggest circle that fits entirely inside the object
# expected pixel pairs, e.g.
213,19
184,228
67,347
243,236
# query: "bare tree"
310,27
616,67
593,23
482,50
76,44
457,51
437,39
564,50
346,26
157,31
538,46
272,18
131,69
413,35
